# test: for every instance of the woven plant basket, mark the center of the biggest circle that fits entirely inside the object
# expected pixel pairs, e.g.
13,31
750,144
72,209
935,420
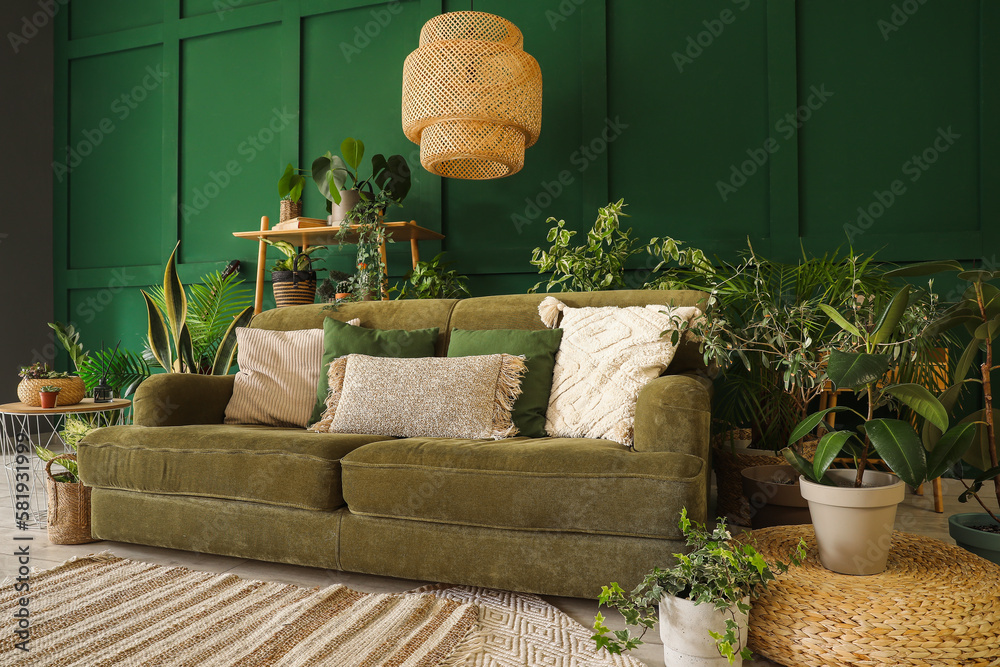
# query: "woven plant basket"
69,508
73,391
293,288
729,465
290,209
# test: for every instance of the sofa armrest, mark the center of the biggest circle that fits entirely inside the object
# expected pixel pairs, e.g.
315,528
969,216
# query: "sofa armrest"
674,414
180,399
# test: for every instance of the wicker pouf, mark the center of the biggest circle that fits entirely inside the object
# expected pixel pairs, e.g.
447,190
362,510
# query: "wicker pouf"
935,604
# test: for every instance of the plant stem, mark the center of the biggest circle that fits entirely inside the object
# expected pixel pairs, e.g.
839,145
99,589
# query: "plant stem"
980,501
863,461
985,369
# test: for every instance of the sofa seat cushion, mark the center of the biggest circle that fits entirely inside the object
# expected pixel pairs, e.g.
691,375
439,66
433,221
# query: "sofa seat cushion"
550,484
273,466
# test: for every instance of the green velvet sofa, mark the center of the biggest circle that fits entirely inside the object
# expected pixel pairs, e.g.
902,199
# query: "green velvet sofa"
552,516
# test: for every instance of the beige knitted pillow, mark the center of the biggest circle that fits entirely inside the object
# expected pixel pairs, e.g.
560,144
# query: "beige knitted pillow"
438,397
607,355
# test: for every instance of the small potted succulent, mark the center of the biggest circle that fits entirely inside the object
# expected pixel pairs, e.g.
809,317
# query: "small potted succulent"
293,278
338,178
703,601
290,190
48,395
336,287
853,511
39,375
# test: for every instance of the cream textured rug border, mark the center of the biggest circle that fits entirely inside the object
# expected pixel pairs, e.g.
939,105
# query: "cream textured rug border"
102,610
520,630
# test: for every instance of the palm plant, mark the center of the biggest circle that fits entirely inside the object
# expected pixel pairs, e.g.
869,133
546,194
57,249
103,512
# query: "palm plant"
193,330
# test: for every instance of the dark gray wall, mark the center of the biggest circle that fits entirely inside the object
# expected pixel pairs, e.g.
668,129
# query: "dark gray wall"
26,57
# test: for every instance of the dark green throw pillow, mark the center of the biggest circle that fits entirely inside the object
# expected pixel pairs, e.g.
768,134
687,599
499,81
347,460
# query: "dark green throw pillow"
341,339
539,349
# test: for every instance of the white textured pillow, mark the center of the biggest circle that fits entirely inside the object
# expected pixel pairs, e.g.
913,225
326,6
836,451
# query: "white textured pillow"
607,355
276,383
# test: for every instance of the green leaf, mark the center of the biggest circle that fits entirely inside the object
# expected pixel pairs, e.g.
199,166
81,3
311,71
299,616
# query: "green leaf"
977,276
185,350
226,353
987,331
852,370
921,401
950,449
334,188
891,316
806,426
174,297
898,445
839,319
924,269
977,484
979,454
285,182
353,151
157,335
827,450
965,361
802,466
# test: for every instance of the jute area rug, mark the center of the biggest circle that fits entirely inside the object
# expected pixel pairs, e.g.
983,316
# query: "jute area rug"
108,611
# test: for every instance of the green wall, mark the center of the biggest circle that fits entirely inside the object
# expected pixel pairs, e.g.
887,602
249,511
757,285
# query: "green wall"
188,110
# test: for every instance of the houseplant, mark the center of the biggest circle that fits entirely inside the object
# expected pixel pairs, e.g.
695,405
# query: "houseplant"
194,330
434,280
366,221
39,375
853,511
290,190
977,312
336,287
48,395
703,601
124,371
293,278
338,178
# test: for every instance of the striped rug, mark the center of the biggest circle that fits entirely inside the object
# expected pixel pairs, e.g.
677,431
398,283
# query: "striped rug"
104,610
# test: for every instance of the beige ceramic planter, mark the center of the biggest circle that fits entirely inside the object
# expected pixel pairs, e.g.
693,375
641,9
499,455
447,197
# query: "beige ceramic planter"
684,628
854,526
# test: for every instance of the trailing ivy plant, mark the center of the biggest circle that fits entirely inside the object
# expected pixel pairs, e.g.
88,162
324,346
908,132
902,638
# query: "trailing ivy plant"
367,221
717,571
434,280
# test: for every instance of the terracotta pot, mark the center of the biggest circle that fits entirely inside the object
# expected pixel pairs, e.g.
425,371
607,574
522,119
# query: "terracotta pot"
47,399
684,628
341,295
963,528
774,496
854,526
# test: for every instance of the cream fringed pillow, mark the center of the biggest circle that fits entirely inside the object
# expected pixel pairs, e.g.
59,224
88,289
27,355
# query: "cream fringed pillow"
605,357
439,397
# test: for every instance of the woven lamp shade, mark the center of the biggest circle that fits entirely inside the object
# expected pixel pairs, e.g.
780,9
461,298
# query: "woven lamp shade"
472,98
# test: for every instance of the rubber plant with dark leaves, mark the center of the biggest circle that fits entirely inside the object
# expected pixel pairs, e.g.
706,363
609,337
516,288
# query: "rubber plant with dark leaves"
718,571
195,334
977,312
866,368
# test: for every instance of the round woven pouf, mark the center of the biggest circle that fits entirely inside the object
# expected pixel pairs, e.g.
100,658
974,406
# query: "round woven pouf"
935,604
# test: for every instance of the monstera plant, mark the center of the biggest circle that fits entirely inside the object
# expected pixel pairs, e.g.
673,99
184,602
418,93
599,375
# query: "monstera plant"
336,175
194,330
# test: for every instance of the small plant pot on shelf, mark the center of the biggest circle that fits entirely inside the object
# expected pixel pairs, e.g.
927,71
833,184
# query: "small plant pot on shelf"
289,209
72,391
966,530
348,200
854,525
293,288
775,497
684,631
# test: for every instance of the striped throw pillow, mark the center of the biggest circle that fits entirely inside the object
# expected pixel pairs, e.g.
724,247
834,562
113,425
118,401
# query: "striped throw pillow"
276,383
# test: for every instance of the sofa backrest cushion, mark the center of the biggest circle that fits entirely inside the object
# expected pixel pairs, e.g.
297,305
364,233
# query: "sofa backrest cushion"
520,311
403,314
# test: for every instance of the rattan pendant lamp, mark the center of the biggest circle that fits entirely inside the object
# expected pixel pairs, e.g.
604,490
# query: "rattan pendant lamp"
472,98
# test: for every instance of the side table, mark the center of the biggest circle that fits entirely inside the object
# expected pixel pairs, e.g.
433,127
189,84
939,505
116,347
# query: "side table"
24,427
935,604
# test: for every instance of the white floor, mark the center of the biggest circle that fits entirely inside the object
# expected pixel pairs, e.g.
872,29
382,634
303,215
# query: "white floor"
916,515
